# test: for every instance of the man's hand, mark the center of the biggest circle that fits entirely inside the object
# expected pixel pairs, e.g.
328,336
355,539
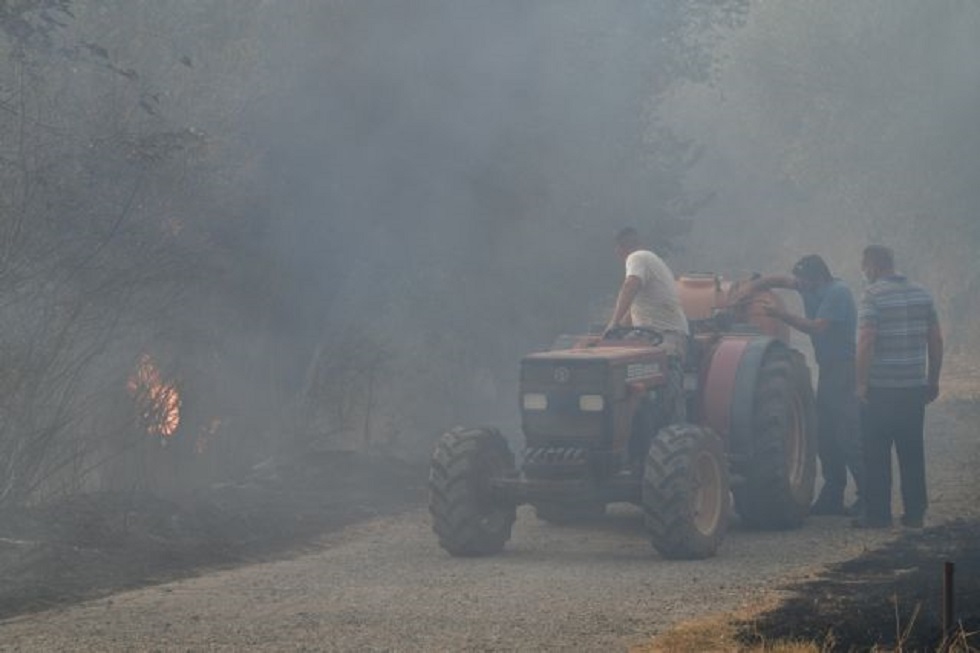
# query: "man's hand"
609,327
772,310
935,351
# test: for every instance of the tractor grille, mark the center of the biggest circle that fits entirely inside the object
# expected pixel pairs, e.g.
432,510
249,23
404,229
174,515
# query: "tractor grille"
555,462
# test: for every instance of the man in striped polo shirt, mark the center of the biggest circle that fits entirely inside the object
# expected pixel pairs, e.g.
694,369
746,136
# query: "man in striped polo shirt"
899,356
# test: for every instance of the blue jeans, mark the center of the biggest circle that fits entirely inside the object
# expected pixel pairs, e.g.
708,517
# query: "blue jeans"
838,430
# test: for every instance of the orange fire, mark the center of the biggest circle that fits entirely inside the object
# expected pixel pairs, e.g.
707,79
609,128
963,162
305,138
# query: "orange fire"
158,402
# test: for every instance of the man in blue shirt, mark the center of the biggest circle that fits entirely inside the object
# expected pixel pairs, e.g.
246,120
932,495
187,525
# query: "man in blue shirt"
830,319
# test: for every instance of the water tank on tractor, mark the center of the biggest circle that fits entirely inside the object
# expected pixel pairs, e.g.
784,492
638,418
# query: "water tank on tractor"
707,296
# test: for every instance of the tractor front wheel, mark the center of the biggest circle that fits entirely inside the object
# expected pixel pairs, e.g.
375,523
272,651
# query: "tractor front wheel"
466,517
685,493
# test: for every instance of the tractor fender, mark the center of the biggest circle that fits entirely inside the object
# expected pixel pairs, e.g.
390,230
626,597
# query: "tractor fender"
728,399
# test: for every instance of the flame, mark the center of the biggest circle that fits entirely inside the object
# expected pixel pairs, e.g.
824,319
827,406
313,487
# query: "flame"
158,402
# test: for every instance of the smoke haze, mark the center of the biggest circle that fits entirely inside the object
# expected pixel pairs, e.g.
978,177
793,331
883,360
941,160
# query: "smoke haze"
832,127
348,220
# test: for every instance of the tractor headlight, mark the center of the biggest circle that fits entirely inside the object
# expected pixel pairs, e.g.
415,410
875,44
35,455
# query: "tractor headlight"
591,403
535,401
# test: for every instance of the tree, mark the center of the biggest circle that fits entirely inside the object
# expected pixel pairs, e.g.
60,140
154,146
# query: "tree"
834,126
95,261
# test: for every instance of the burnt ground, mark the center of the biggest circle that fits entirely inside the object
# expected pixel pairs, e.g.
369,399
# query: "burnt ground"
890,597
98,544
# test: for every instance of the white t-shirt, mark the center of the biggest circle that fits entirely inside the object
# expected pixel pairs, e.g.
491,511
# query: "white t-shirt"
656,303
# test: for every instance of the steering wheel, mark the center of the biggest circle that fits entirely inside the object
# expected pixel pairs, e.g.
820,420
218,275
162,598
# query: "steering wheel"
619,332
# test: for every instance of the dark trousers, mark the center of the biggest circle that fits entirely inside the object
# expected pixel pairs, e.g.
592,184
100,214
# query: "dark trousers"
838,430
894,417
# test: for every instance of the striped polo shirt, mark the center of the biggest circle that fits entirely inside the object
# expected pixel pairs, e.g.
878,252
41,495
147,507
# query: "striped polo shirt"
901,314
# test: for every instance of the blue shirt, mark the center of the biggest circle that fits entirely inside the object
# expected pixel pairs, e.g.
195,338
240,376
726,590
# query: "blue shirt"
835,303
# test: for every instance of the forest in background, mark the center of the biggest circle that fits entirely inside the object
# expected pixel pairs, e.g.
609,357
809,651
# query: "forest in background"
828,127
235,228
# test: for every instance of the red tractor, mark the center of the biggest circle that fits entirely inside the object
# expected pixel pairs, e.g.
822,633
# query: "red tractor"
619,419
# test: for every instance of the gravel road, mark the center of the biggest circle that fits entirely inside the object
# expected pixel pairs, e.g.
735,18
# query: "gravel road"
385,585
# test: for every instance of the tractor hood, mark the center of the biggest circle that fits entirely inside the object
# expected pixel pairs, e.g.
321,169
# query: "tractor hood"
594,369
611,353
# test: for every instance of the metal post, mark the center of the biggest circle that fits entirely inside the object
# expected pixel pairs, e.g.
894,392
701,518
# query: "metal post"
948,621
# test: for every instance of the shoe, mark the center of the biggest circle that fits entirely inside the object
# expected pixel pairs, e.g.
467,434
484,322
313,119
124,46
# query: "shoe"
911,521
864,522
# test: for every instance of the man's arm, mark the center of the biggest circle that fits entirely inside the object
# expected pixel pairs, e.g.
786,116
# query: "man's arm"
631,285
798,322
774,281
749,288
862,362
934,343
835,305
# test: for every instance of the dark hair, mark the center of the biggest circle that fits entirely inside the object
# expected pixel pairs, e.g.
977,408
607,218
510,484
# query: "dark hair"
880,256
812,268
628,237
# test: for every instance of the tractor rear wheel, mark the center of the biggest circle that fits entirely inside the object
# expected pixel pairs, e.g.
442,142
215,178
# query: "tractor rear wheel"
685,493
780,477
465,515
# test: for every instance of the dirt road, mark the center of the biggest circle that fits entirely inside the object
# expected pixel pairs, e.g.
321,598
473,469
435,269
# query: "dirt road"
385,585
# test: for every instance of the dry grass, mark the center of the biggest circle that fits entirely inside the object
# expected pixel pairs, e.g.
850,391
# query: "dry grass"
719,634
709,634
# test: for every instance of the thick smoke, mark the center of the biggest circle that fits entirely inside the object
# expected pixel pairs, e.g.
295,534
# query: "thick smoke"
447,177
830,127
345,222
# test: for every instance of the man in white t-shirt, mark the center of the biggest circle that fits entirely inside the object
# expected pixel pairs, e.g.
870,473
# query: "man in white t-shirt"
648,296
